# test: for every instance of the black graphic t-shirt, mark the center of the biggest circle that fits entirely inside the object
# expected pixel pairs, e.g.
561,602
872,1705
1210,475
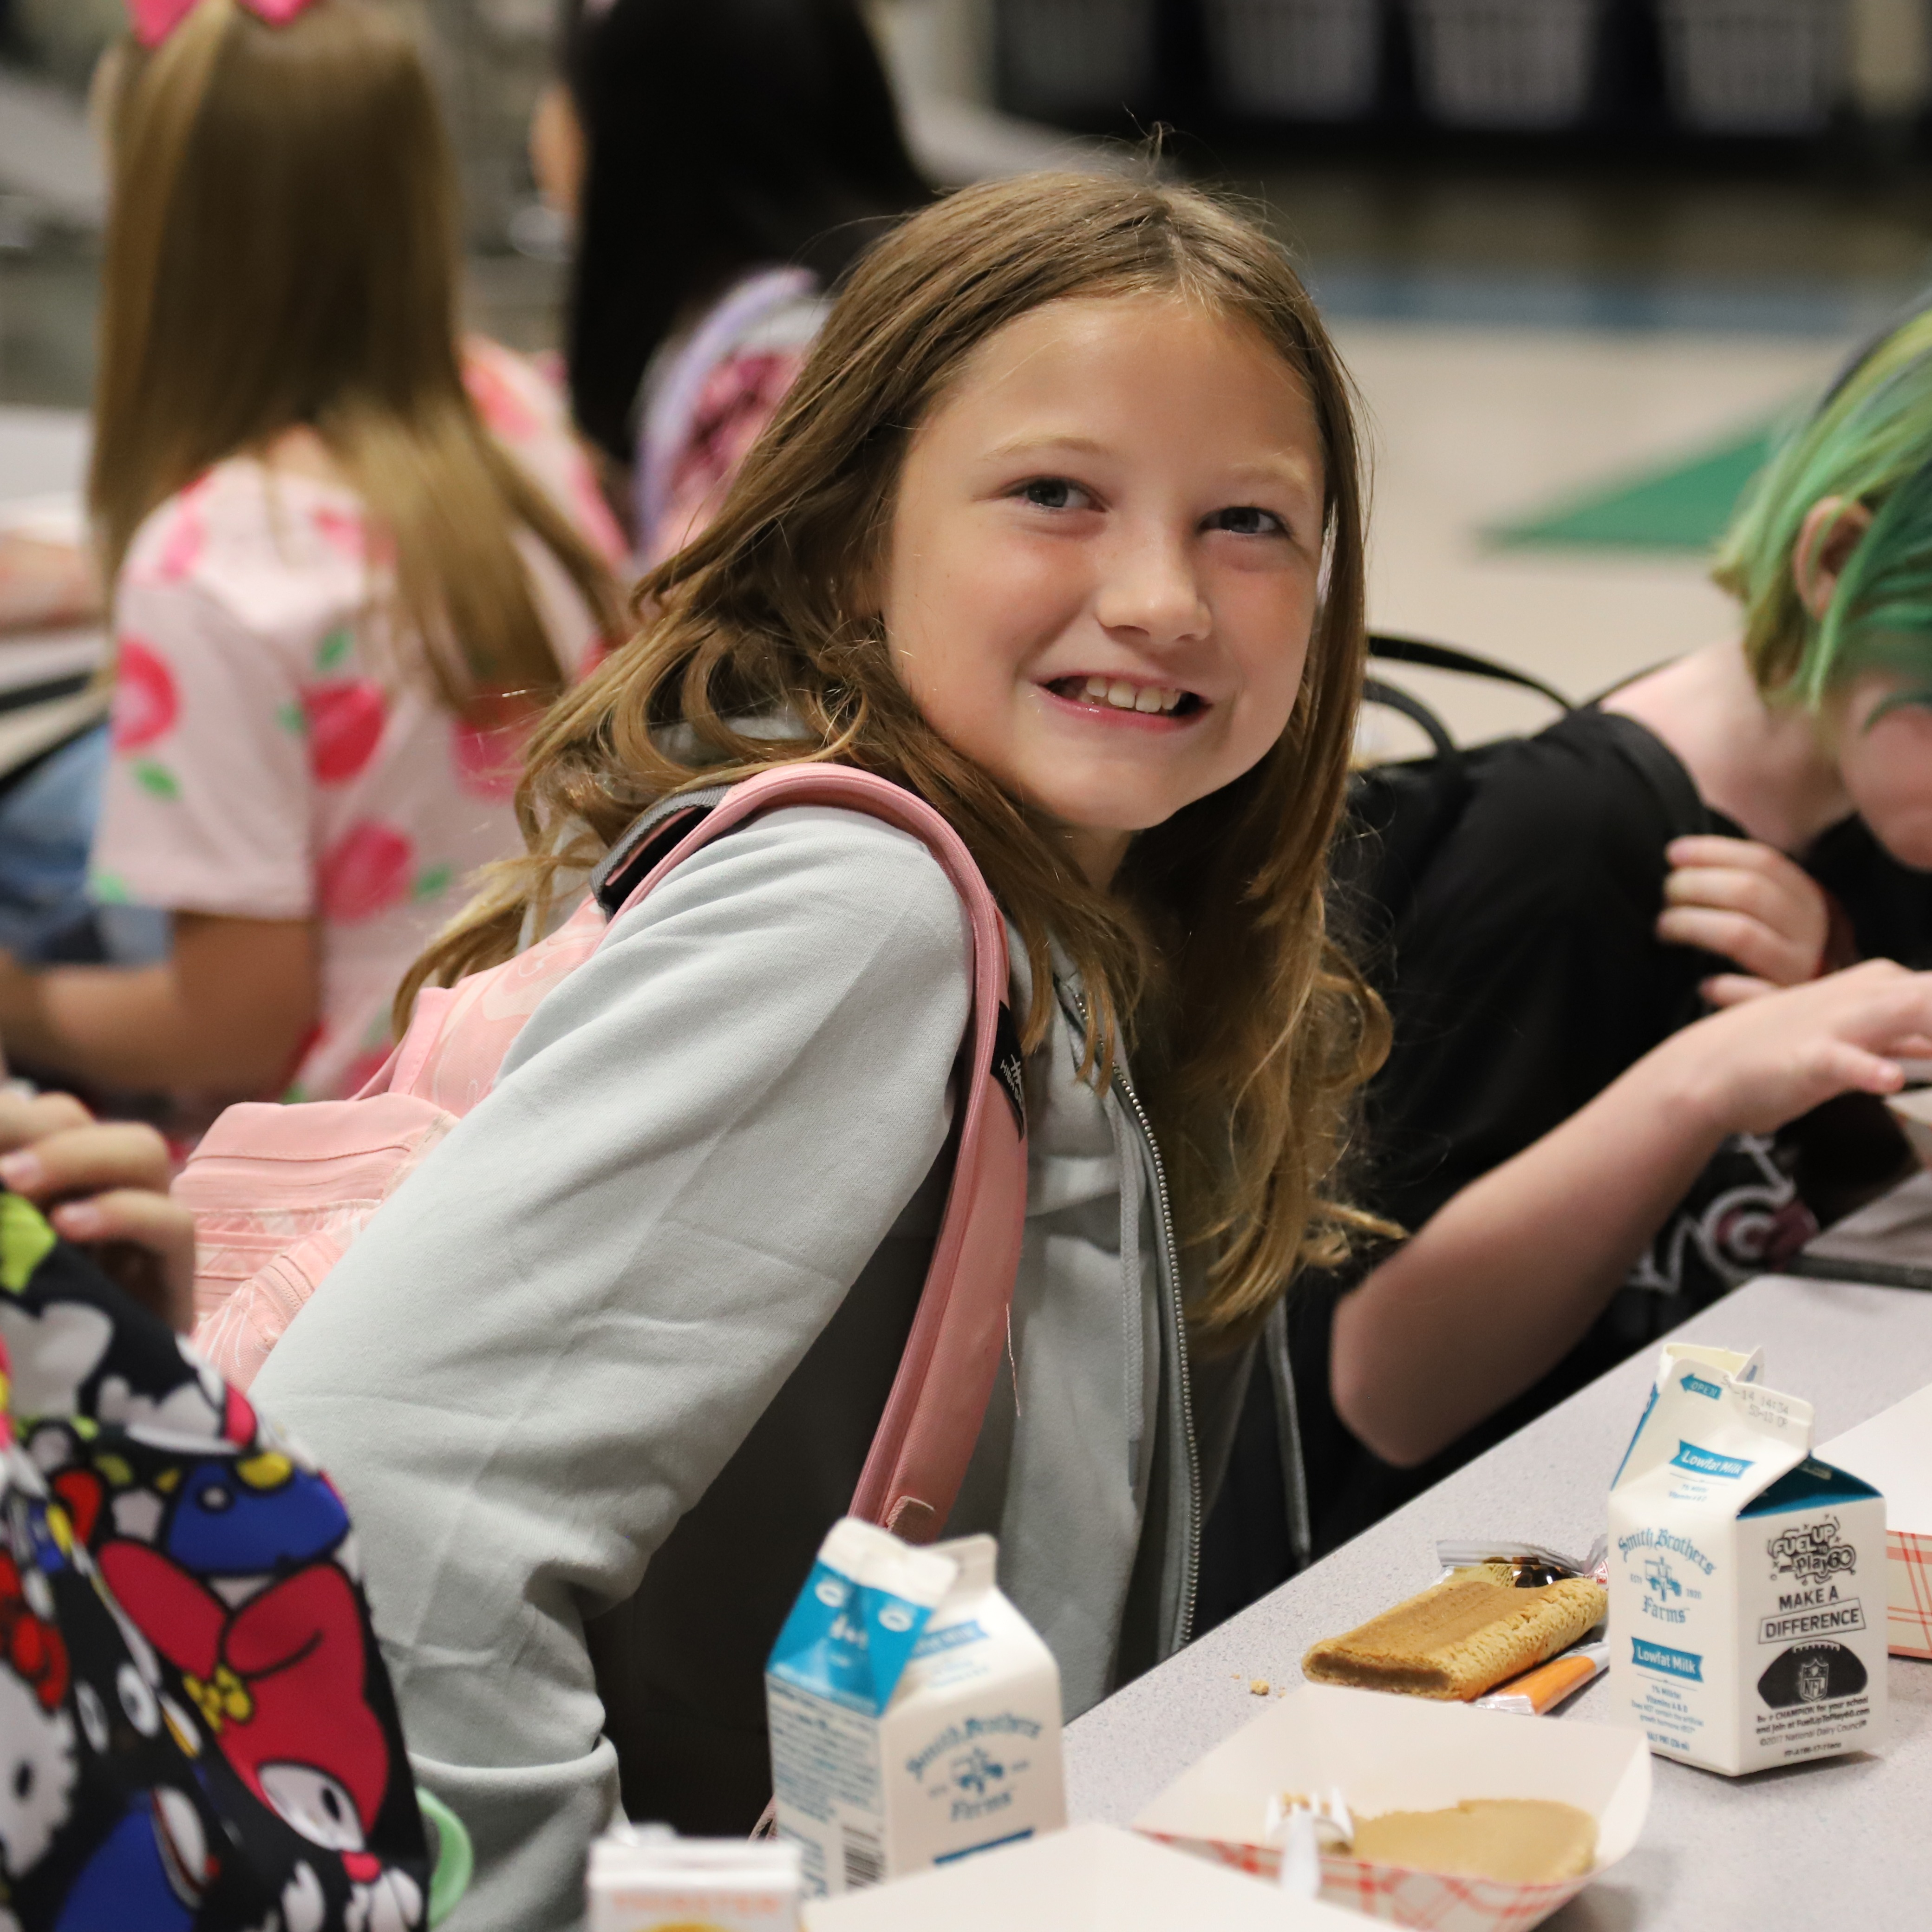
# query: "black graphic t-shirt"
1524,976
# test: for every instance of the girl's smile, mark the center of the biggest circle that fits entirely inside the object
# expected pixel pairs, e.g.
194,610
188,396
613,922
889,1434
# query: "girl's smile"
1112,699
1104,560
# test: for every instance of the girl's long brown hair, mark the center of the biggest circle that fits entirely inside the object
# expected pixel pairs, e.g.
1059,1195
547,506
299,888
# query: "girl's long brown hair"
1210,955
282,251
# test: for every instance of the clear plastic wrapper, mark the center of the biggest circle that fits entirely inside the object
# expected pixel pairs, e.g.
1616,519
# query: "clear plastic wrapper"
1537,1693
1532,1564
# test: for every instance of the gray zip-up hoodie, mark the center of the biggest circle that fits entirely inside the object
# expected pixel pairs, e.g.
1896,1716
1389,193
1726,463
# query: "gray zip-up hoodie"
609,1358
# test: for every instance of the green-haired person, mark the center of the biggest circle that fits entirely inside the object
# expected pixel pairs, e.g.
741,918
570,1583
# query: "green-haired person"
1664,932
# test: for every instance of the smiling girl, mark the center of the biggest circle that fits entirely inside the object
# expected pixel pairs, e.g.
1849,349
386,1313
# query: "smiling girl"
1060,528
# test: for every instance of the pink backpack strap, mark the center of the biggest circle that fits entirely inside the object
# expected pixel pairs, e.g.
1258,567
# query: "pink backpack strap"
932,1417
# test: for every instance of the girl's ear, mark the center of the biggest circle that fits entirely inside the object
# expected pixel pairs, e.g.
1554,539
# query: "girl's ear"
1831,531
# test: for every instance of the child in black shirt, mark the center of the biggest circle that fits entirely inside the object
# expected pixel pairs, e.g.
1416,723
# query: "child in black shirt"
1586,1160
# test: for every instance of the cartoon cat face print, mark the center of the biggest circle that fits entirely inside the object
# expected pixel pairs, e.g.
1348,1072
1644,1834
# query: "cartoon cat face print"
53,1354
36,1774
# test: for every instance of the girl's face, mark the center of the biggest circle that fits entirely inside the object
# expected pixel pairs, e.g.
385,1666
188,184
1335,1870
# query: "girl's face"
1881,725
1103,560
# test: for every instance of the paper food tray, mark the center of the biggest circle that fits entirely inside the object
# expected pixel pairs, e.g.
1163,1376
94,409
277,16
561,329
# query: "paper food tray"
1893,1452
1394,1753
1091,1878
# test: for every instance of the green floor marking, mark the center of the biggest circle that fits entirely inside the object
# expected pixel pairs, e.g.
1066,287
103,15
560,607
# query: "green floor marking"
1684,507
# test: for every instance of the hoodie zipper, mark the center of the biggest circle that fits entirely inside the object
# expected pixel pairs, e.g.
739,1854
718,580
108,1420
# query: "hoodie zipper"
1164,1206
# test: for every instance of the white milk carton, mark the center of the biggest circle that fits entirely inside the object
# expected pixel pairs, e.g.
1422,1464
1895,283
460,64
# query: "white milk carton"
646,1879
915,1713
1747,1579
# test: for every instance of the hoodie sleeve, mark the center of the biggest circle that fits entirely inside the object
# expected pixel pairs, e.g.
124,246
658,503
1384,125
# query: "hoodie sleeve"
541,1352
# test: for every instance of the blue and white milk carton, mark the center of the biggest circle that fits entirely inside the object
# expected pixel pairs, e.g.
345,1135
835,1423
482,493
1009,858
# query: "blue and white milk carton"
915,1713
1747,1579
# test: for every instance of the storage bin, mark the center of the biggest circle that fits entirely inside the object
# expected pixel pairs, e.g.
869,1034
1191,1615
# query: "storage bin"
1300,60
1505,63
1075,56
1754,67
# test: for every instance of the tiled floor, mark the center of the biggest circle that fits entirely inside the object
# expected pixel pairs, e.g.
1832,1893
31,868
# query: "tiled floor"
1473,426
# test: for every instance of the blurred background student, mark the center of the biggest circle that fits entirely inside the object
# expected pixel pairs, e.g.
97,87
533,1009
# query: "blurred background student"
723,164
350,560
1586,1163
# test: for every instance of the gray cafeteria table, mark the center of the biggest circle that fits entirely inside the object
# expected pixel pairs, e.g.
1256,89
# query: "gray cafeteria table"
1843,1843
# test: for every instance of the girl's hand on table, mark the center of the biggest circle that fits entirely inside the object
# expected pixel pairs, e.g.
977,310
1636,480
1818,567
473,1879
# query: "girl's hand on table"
103,1185
1773,1054
1748,903
45,585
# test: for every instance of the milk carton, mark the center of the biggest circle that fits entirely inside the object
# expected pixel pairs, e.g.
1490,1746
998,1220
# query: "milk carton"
1747,1579
646,1879
915,1713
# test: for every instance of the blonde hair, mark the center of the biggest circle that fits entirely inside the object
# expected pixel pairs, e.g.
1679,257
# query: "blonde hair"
1250,1030
282,251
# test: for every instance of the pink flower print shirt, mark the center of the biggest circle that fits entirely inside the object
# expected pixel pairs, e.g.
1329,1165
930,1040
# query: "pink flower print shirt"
277,756
523,408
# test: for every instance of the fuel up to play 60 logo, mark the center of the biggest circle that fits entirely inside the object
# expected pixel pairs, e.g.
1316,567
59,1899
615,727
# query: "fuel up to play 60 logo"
1817,1560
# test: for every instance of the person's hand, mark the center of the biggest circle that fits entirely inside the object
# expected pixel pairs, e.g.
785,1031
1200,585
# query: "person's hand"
45,584
1748,903
19,997
104,1186
1769,1058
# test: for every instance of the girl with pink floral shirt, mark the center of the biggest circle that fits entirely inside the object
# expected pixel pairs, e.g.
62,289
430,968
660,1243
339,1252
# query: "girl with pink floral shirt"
352,560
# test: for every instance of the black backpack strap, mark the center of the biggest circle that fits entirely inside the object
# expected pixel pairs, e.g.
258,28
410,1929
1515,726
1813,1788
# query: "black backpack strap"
1374,691
1662,771
1394,649
629,861
1402,813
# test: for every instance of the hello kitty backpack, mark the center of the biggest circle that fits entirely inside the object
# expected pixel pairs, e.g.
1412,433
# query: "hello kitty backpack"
279,1192
197,1730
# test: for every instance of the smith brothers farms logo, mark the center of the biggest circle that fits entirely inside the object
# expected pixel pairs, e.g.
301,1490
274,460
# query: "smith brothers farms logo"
1811,1552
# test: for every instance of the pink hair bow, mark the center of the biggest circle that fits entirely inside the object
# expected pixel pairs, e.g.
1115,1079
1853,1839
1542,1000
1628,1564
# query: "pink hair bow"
154,20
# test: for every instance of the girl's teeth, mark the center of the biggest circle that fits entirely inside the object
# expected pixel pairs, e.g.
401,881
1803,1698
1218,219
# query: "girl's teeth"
1125,696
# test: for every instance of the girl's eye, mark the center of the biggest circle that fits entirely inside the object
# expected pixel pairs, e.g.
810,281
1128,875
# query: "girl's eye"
1244,520
1054,493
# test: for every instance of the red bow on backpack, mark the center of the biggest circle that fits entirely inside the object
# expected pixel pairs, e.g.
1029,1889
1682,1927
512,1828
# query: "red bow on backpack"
154,20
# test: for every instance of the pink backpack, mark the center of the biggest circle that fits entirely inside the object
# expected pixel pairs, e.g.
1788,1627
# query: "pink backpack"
279,1192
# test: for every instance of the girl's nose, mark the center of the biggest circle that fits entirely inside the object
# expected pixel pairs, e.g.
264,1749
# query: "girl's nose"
1149,586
